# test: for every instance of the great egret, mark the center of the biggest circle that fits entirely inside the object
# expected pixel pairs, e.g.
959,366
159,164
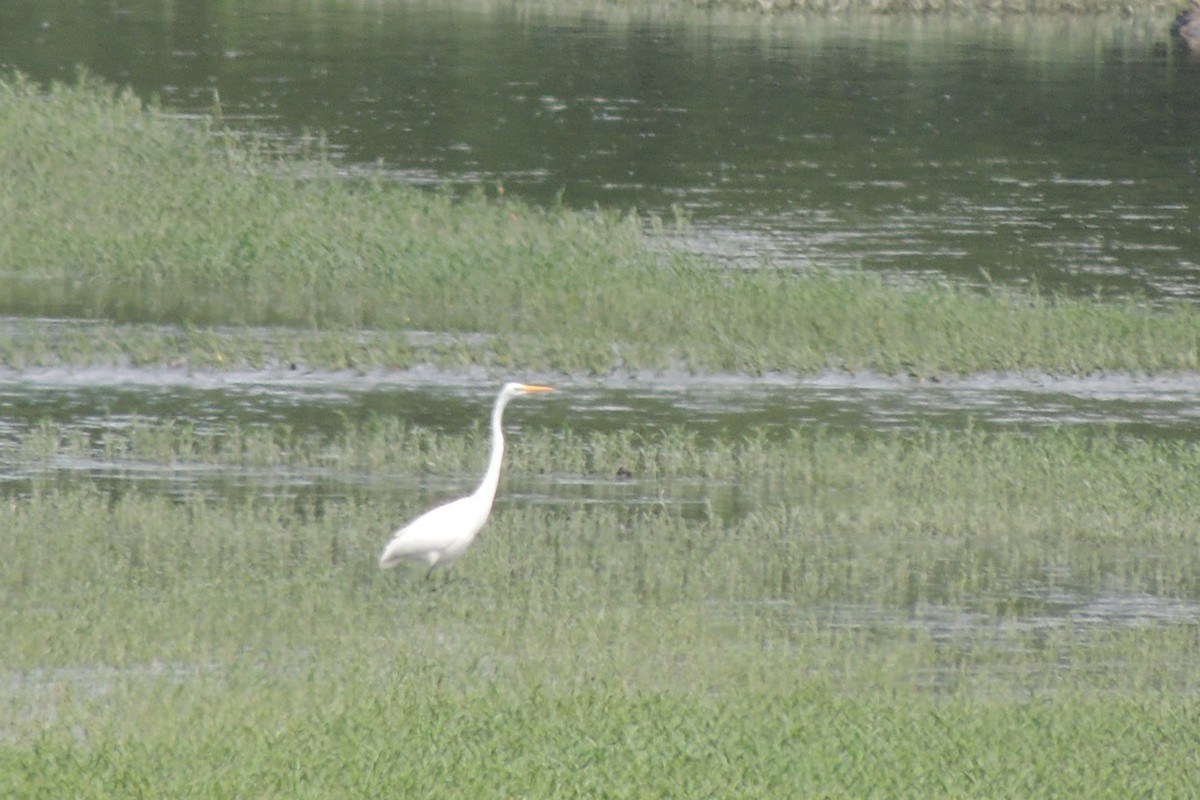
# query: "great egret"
442,534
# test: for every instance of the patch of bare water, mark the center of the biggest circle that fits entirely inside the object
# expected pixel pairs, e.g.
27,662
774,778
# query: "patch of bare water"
710,404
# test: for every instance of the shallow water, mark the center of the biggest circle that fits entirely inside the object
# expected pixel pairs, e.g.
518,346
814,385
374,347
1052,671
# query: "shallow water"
717,406
324,404
1057,152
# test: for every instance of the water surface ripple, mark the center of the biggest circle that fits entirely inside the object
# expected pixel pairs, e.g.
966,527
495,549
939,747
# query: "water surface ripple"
718,406
1055,152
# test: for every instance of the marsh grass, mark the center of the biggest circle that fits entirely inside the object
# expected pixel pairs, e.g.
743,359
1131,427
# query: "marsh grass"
993,526
120,213
401,732
885,619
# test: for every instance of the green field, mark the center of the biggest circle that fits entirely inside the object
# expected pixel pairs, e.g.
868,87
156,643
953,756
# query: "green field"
917,615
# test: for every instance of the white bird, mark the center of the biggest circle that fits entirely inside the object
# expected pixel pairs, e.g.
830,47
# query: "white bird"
442,534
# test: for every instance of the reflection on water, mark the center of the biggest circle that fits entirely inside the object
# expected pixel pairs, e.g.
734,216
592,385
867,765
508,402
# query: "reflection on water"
1060,153
716,406
92,401
1077,614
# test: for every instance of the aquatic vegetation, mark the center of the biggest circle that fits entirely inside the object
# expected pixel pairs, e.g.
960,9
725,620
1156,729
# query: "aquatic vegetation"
958,613
401,731
995,527
164,230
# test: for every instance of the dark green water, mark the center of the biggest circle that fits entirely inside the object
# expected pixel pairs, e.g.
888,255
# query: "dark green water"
1059,153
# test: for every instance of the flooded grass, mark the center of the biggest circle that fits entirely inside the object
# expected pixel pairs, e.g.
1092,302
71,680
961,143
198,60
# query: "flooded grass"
960,614
967,520
124,215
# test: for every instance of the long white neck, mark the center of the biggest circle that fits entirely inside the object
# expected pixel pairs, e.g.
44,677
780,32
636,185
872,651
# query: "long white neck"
491,478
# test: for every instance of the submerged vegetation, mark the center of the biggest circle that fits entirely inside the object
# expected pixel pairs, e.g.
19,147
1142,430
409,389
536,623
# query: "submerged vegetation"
119,213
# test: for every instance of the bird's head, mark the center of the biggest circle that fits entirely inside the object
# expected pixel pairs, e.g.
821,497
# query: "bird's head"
514,389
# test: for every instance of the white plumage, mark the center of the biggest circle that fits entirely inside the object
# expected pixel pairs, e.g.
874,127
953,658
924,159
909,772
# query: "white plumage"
442,534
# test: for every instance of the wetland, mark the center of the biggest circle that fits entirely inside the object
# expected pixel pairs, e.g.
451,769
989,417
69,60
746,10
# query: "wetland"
871,470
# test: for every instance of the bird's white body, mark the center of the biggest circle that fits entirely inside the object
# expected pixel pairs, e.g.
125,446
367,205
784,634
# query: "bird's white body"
439,536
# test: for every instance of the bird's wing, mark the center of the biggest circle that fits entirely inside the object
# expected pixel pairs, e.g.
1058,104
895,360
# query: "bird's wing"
435,531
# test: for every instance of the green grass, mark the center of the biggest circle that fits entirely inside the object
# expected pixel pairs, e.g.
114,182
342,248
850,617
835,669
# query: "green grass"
216,646
966,521
124,215
397,732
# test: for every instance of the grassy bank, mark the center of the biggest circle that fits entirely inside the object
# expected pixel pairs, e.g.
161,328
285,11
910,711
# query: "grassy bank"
891,618
122,214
